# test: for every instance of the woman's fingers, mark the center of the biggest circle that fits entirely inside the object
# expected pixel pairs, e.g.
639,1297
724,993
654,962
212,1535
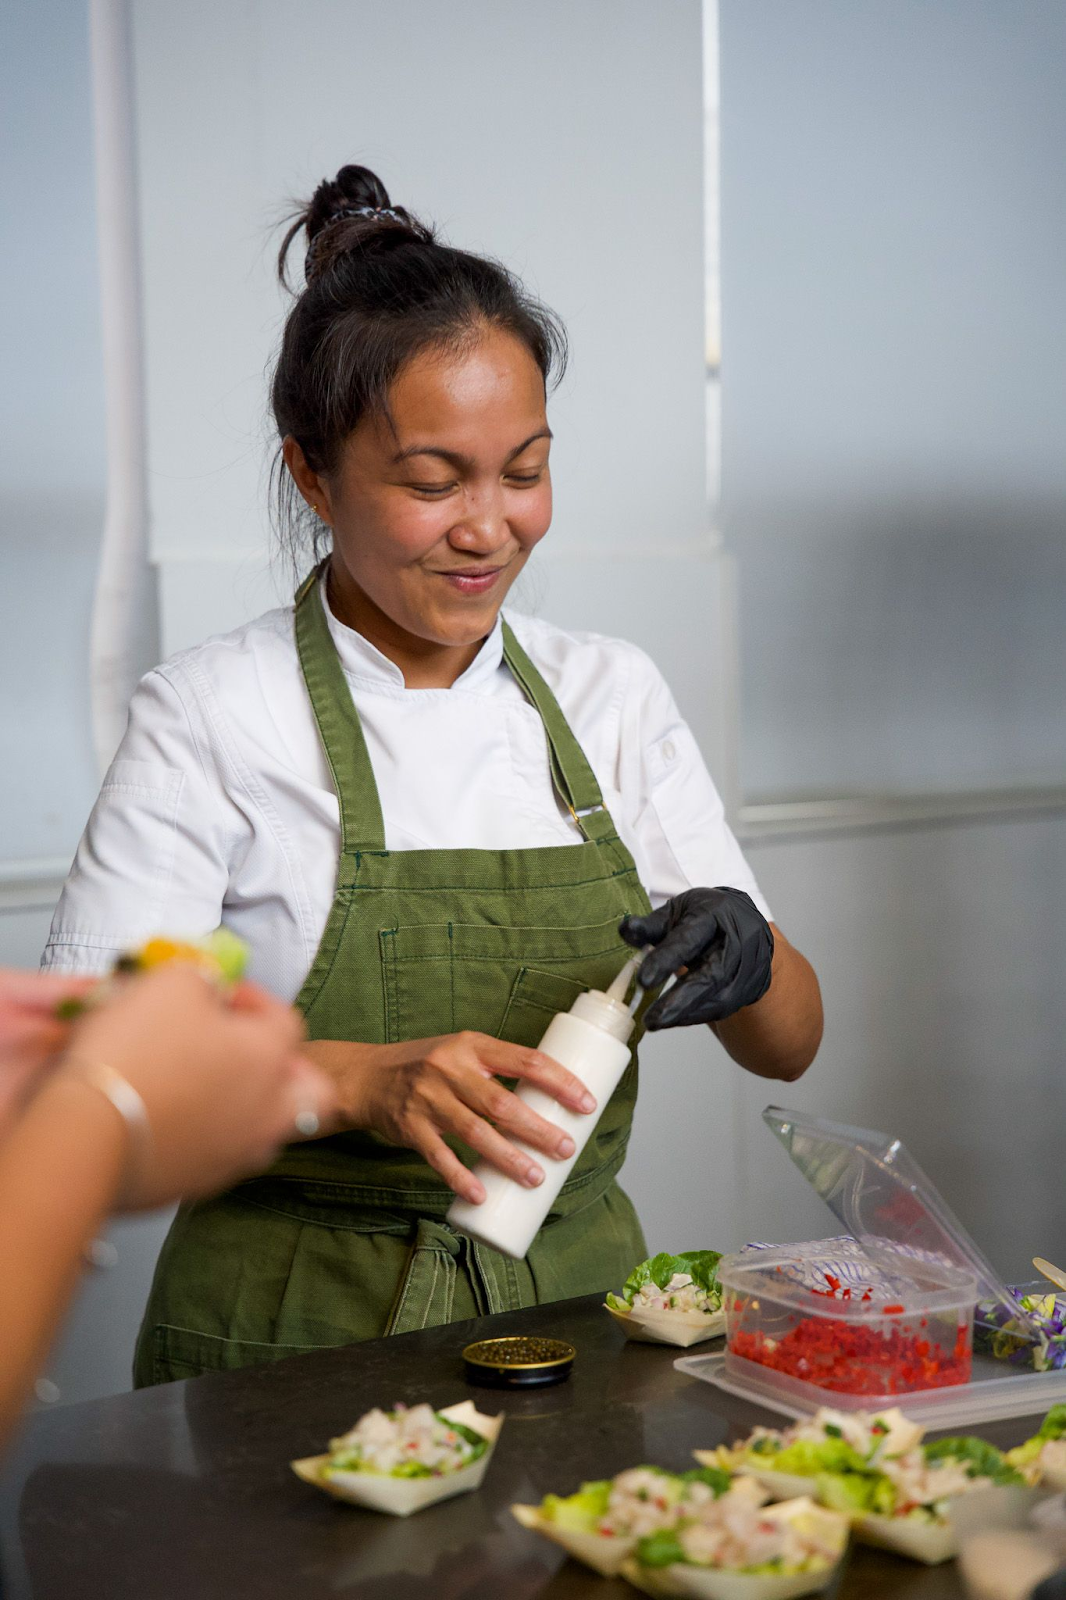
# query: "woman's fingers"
516,1120
429,1144
514,1061
40,991
682,946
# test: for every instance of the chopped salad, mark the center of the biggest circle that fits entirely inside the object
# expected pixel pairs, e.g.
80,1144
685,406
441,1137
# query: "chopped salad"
408,1442
685,1282
830,1441
920,1482
643,1500
875,1464
1040,1343
1044,1455
735,1533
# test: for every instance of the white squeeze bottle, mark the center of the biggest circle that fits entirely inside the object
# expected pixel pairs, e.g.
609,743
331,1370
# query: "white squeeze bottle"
592,1039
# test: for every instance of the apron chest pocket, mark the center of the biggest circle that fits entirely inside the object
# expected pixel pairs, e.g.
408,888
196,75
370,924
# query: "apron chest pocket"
443,978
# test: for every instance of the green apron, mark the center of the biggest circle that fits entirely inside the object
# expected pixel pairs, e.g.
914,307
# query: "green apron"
345,1238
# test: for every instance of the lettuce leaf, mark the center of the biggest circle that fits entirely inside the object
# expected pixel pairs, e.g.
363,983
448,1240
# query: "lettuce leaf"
660,1549
856,1492
714,1477
477,1440
981,1459
701,1266
579,1512
809,1456
1054,1424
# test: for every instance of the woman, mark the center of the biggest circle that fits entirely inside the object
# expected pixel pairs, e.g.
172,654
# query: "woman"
427,821
162,1091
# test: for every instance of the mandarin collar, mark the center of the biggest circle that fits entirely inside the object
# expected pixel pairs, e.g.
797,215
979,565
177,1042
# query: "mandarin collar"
363,661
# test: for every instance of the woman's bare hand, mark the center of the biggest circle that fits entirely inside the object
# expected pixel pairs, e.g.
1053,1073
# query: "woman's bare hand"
31,1031
418,1093
222,1082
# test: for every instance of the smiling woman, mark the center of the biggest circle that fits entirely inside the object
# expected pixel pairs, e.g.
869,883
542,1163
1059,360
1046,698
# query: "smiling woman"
428,537
434,824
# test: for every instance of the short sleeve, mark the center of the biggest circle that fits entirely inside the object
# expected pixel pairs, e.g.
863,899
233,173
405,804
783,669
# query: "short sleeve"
681,836
153,857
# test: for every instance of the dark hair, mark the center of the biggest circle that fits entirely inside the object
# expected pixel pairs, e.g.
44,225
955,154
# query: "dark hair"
380,289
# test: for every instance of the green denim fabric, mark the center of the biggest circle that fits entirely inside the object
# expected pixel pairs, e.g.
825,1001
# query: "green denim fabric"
345,1239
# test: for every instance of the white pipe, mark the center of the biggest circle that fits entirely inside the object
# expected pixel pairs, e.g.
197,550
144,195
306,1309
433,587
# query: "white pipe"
124,612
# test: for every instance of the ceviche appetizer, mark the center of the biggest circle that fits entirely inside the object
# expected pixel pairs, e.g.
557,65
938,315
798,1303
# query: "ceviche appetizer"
602,1523
671,1299
734,1548
221,957
787,1461
904,1503
874,1469
1042,1459
407,1458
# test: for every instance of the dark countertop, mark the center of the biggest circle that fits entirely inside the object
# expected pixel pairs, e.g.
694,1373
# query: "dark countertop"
183,1492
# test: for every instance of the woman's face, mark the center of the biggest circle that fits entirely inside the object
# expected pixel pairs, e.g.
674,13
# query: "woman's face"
434,517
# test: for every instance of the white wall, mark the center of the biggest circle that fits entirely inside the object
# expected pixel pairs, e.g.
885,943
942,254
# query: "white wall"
894,380
548,141
894,491
51,425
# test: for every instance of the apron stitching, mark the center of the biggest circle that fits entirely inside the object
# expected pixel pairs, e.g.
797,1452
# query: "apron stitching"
403,1199
341,931
428,1311
163,1328
425,960
450,1281
513,1297
398,1306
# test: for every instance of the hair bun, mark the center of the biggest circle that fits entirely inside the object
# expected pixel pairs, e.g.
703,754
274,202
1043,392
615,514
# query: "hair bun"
346,213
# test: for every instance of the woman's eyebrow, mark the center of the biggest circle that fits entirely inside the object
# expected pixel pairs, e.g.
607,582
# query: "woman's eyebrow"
455,459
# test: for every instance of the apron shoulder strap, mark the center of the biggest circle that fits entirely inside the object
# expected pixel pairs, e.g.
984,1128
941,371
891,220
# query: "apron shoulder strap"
572,775
341,732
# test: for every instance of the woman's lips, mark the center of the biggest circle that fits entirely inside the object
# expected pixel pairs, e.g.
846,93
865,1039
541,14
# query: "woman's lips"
472,580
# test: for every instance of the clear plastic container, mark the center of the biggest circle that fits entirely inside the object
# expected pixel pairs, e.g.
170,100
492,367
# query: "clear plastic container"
835,1322
888,1205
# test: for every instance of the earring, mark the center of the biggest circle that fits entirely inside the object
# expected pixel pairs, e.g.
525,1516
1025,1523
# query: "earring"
315,510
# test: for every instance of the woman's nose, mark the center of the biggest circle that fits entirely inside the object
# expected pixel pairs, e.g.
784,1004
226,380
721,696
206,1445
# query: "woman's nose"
482,527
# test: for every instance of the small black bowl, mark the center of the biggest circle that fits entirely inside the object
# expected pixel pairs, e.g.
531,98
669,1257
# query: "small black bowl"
518,1363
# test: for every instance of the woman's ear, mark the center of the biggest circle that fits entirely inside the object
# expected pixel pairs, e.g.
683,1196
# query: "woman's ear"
311,484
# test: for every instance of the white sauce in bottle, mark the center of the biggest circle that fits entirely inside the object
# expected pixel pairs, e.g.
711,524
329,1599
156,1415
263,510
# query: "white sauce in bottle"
592,1039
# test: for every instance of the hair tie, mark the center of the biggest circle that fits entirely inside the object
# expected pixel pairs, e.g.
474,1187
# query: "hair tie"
341,215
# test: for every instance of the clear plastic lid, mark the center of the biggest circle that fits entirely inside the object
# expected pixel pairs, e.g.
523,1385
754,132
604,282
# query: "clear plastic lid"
874,1186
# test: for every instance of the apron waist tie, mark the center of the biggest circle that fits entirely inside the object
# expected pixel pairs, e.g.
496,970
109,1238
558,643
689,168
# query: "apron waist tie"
427,1292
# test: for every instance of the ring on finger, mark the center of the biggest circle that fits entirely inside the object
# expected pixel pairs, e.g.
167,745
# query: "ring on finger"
307,1122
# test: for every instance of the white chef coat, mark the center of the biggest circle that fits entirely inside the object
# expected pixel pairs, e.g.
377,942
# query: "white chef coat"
219,805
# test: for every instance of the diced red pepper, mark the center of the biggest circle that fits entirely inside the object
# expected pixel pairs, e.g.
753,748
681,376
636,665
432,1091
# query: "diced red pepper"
854,1359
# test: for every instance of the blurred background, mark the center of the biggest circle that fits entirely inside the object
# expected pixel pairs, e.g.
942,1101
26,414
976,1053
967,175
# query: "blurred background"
811,455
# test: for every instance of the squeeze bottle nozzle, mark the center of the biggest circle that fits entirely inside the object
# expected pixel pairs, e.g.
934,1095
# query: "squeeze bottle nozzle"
618,988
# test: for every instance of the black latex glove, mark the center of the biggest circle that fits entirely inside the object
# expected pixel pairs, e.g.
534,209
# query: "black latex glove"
723,940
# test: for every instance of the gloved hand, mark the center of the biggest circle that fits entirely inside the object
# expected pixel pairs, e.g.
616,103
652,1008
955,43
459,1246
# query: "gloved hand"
723,940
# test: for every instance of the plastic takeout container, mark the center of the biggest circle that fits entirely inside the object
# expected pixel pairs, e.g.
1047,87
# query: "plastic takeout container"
887,1204
901,1237
845,1326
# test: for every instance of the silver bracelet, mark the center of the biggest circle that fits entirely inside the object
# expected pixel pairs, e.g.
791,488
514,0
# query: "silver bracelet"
129,1105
